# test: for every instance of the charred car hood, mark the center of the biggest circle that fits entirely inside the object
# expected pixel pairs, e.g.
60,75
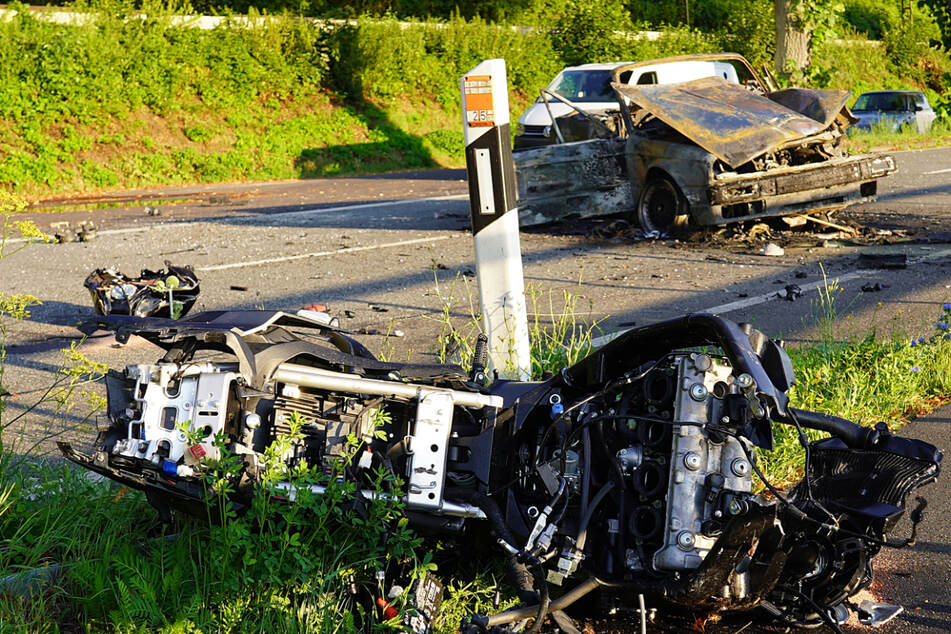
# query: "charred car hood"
733,123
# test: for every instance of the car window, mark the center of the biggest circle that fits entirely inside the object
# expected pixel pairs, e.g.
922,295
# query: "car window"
584,86
921,101
649,77
884,101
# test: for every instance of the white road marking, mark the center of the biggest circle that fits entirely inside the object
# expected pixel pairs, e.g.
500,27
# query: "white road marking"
317,254
263,217
762,299
944,171
327,210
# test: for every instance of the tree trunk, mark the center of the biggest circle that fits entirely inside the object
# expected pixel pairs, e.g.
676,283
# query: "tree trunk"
793,40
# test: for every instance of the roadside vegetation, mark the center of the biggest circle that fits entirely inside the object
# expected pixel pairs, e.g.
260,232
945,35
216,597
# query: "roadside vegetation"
129,97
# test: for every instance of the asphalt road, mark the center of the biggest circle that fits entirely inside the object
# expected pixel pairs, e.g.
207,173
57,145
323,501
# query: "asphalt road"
395,253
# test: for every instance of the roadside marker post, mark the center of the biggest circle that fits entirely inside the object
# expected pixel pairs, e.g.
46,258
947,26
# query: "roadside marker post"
492,205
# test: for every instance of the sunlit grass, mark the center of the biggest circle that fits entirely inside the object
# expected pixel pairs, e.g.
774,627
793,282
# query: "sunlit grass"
882,137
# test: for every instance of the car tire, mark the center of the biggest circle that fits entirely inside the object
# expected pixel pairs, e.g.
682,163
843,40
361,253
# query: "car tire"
662,207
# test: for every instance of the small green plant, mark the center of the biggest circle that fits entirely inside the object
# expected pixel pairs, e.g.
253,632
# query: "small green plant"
168,285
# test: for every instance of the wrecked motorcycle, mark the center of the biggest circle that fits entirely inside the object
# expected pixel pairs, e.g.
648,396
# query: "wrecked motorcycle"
630,472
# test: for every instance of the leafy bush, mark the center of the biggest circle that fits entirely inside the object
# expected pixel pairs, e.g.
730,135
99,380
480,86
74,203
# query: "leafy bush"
387,59
592,32
870,17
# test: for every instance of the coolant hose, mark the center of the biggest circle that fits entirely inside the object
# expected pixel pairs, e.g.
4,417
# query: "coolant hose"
854,435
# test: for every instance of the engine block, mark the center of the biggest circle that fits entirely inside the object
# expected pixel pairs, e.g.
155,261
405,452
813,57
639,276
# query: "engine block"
708,474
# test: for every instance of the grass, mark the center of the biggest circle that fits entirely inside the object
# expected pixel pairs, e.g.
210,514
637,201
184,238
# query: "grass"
881,137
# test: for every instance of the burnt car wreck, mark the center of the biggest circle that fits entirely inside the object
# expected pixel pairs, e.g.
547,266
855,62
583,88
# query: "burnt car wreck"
631,472
702,152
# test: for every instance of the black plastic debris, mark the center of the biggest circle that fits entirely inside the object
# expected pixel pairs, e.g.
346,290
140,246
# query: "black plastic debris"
883,261
170,292
873,288
791,293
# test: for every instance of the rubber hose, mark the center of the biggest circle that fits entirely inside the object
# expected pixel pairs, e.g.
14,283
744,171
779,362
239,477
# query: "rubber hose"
854,435
589,513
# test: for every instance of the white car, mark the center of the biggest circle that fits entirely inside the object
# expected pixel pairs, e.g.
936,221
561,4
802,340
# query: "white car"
589,87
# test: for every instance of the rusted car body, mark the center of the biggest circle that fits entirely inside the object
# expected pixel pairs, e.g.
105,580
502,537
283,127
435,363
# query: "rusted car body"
704,152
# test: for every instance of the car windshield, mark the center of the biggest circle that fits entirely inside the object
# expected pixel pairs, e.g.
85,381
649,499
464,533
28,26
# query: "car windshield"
584,86
886,101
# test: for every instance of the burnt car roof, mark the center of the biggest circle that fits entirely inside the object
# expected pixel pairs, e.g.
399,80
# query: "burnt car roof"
731,122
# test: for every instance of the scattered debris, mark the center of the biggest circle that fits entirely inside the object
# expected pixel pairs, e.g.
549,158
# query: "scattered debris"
468,273
828,223
791,293
772,249
349,314
874,288
794,221
152,211
235,287
165,293
63,233
801,275
379,309
367,330
85,231
312,312
883,261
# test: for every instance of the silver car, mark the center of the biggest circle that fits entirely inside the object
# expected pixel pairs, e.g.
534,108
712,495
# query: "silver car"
895,109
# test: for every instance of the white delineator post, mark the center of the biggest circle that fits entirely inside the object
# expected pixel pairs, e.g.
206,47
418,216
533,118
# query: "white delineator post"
492,203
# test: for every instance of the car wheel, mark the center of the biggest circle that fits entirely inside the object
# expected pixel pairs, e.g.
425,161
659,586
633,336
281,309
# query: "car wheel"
661,207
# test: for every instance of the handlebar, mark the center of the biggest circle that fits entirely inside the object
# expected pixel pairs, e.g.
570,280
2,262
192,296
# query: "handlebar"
854,435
